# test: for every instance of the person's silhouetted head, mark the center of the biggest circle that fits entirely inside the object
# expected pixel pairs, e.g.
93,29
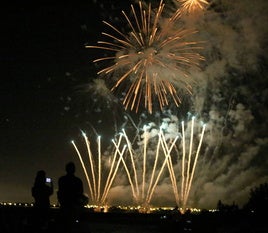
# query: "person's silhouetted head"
41,191
40,177
70,168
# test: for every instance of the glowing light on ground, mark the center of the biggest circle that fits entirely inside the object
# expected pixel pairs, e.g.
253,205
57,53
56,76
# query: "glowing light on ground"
152,60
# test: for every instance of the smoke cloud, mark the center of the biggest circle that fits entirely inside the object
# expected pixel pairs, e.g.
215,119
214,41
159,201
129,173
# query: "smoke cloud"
229,95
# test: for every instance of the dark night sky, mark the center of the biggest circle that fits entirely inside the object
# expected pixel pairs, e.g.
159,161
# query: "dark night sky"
44,62
43,59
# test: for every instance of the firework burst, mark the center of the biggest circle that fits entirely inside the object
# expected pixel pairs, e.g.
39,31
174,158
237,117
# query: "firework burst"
192,5
152,60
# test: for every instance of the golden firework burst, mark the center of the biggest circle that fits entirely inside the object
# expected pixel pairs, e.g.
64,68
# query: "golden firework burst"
153,59
192,5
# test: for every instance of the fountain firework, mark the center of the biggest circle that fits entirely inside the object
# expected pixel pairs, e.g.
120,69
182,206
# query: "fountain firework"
145,168
143,186
99,192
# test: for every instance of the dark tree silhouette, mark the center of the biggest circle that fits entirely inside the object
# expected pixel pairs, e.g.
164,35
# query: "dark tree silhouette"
226,208
258,199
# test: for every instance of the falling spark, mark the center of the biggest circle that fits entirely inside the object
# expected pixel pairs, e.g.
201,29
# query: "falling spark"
153,60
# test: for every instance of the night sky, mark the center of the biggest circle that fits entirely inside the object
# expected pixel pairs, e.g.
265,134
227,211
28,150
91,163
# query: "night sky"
45,69
43,60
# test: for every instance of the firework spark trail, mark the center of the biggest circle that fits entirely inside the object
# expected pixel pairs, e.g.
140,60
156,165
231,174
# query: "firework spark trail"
194,165
134,191
145,141
90,157
132,161
110,177
154,58
187,183
99,166
183,161
144,196
99,195
112,172
167,152
85,170
189,157
153,183
154,169
151,190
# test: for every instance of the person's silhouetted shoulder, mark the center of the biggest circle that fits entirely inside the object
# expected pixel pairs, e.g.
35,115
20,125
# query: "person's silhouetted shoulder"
70,188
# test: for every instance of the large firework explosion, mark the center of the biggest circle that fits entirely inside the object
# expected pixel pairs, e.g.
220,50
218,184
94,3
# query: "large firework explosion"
153,59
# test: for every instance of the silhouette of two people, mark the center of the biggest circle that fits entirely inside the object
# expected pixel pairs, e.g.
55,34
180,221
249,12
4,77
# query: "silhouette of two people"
41,192
70,196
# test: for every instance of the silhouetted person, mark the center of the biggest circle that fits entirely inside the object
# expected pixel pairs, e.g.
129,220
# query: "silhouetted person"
41,192
71,190
70,196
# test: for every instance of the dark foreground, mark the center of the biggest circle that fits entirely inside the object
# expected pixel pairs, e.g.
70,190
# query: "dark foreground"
22,220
